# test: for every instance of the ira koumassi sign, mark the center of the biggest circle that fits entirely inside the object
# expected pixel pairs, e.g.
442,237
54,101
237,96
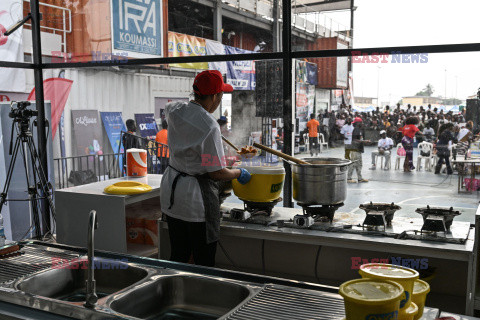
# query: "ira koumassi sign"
137,26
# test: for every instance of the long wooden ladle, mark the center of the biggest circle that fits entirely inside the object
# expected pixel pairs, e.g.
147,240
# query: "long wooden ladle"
279,154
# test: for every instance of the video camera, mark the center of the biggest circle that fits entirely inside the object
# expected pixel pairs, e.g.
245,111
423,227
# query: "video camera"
21,112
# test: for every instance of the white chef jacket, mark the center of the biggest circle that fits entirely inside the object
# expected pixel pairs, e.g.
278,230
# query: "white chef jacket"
192,132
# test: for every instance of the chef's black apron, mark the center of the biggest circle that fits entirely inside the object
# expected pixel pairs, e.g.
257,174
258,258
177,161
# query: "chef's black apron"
211,203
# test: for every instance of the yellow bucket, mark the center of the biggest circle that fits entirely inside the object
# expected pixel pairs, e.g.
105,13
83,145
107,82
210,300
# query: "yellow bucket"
127,187
266,184
420,291
402,275
410,313
371,299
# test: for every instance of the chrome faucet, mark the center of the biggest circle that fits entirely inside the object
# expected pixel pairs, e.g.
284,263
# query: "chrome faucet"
91,295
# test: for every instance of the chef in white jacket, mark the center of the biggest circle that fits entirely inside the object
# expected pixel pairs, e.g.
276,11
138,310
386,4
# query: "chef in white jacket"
189,191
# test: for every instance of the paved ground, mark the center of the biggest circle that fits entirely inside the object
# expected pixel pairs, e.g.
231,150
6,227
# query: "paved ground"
409,190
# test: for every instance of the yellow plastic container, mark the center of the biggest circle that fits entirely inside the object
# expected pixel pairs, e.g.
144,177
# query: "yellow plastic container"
127,188
371,299
420,291
266,184
410,313
404,276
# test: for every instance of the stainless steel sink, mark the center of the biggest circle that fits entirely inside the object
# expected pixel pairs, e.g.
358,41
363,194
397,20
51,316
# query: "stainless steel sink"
137,291
181,297
68,282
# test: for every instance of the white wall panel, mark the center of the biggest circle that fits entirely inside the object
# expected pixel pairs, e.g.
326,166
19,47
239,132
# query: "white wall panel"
126,92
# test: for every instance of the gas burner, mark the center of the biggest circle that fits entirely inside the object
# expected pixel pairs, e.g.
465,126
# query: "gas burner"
251,208
379,214
260,207
437,219
320,212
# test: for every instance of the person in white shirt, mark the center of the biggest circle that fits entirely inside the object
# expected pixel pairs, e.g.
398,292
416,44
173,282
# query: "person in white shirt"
428,132
385,144
347,131
189,191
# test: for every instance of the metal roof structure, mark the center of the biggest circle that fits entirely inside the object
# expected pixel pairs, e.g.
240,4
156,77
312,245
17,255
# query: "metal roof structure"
305,6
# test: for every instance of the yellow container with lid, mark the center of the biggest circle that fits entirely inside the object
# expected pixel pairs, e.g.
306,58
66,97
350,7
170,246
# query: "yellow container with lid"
420,291
410,313
371,299
266,184
402,275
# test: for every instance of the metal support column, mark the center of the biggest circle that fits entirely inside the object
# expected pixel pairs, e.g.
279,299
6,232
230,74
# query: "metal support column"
287,98
39,99
217,21
276,27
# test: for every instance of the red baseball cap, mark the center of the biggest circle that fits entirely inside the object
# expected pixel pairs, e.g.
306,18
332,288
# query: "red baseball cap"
210,82
357,119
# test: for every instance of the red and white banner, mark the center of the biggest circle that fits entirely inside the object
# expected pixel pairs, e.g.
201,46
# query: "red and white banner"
11,47
56,90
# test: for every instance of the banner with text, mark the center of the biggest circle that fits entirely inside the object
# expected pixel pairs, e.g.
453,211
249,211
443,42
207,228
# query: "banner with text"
11,47
216,48
182,45
137,27
146,125
114,125
87,133
240,74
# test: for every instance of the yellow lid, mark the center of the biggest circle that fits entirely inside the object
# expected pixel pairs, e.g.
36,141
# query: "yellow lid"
421,287
383,270
127,188
369,291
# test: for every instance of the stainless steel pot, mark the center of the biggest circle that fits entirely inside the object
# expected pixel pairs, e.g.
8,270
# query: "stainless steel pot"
323,182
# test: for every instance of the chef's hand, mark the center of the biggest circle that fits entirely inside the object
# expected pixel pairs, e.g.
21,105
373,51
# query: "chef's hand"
244,177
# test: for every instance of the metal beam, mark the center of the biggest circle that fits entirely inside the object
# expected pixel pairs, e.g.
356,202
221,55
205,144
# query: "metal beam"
40,104
440,48
217,21
287,99
443,48
276,27
20,65
141,62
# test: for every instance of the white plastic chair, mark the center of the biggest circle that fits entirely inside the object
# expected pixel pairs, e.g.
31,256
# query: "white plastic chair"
307,142
382,162
425,147
321,141
398,158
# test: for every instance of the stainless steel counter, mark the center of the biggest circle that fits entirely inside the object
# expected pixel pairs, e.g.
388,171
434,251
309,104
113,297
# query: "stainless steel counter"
135,293
325,257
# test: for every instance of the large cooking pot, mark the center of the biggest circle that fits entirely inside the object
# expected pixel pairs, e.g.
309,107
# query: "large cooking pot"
266,184
323,182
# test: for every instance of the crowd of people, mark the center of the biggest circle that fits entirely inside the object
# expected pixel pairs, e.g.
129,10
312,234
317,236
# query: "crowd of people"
389,128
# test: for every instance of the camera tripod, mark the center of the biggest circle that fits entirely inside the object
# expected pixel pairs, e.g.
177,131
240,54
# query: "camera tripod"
24,144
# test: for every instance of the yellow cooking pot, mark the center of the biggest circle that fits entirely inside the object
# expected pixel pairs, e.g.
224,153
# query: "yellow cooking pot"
127,188
266,184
